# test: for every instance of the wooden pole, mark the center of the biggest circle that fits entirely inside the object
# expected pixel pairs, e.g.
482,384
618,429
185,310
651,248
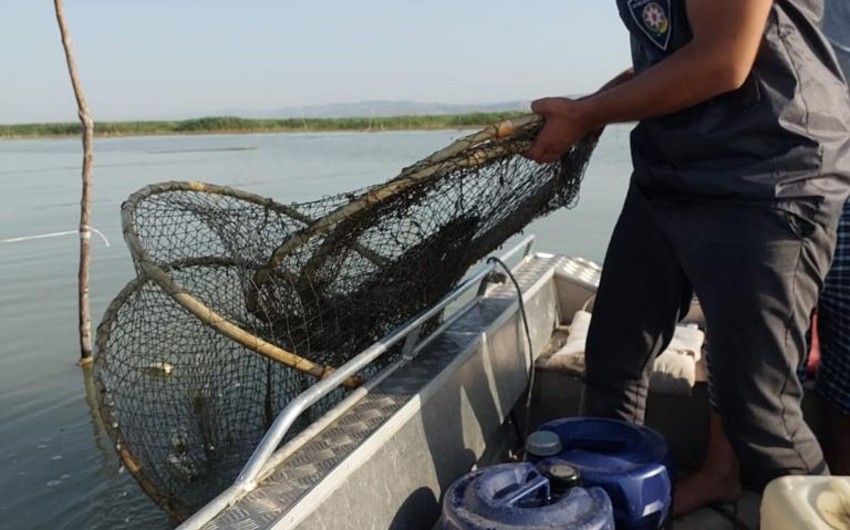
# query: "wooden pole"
85,201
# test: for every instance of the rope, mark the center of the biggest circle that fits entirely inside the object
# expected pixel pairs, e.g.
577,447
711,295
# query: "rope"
835,44
86,235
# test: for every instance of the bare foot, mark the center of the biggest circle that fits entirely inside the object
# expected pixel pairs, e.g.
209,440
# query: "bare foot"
719,480
707,486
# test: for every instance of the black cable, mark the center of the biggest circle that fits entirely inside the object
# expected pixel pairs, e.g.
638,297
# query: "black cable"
531,370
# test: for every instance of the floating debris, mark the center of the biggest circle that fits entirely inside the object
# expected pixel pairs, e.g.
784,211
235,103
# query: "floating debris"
182,467
159,369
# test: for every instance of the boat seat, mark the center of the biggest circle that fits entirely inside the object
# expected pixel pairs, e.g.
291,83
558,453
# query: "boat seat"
675,371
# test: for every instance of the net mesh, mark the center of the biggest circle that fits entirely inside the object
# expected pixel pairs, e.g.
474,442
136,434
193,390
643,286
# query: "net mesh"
240,302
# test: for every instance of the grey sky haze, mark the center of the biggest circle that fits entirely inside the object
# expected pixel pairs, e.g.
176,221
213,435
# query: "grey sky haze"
181,58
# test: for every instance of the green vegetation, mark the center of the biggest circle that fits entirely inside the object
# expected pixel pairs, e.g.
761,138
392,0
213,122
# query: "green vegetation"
232,124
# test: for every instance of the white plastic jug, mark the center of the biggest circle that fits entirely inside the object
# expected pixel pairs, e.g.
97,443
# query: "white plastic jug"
806,503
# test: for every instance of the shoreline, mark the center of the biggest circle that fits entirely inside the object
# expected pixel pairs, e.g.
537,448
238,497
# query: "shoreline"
234,125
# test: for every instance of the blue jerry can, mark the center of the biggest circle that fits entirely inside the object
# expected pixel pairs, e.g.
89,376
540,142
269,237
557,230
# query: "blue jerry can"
514,496
630,462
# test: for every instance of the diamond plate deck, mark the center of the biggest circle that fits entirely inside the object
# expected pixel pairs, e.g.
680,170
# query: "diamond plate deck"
309,464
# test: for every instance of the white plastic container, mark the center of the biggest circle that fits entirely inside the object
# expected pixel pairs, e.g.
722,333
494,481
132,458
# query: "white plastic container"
803,503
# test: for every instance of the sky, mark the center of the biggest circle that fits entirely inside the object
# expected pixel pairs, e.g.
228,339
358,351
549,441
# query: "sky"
160,59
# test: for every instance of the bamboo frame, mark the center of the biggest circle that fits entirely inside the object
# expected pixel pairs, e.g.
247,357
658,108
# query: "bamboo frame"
131,462
468,152
416,174
153,271
408,178
111,423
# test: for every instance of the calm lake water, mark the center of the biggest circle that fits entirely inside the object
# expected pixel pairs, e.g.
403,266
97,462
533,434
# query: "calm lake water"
58,470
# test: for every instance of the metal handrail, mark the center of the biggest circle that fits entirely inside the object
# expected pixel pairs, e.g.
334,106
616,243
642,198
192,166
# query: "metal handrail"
247,479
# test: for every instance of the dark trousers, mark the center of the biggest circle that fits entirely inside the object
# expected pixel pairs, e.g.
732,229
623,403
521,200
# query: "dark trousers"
758,271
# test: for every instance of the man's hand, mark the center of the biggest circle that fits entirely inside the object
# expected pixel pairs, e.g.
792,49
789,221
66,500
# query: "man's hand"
565,123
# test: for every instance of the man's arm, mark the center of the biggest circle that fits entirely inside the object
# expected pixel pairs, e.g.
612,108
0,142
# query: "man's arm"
727,36
622,77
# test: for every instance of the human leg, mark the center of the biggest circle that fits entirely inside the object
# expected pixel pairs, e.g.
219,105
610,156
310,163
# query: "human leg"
640,295
836,445
758,272
719,478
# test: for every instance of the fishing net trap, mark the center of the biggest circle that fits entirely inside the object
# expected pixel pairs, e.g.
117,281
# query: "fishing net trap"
241,303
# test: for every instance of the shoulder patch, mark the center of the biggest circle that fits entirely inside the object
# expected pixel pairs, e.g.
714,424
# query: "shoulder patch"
653,19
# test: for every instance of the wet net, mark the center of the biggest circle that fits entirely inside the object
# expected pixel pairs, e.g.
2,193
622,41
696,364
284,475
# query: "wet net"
241,303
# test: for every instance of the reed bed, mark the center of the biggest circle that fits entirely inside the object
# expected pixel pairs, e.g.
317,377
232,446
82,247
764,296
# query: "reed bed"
233,124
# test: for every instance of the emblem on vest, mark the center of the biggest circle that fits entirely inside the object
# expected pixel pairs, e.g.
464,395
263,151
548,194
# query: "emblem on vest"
653,19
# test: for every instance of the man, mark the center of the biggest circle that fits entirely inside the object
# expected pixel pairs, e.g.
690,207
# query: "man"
719,478
741,166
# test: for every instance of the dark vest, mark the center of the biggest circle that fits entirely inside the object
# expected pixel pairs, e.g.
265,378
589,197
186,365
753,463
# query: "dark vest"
783,139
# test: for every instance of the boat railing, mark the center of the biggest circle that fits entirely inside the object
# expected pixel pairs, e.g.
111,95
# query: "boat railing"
410,332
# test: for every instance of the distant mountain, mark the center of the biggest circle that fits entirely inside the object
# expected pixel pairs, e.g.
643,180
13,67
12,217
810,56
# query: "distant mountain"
381,109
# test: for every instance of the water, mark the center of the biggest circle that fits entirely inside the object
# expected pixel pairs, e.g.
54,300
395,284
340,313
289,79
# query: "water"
57,467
